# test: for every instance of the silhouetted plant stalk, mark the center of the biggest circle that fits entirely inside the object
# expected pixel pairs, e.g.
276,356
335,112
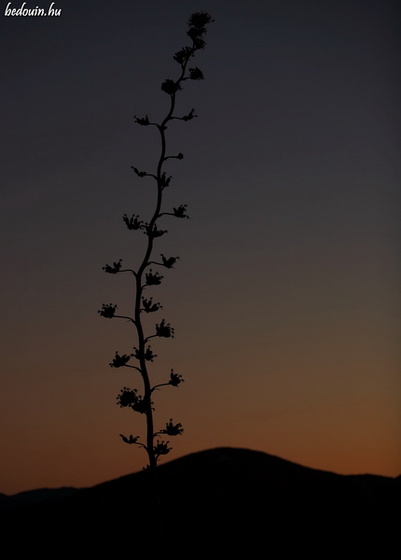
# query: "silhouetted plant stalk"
145,276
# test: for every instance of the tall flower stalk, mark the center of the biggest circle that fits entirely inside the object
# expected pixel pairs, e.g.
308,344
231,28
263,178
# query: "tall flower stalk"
147,275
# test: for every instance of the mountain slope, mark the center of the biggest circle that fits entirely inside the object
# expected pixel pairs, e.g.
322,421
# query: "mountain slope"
219,502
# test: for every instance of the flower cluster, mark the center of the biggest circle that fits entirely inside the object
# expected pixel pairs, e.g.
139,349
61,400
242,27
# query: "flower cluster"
172,429
170,262
191,115
127,397
113,269
120,361
134,222
108,311
130,398
149,306
153,279
161,448
195,74
183,55
143,121
170,86
164,329
139,173
197,28
181,211
147,354
131,439
175,379
164,180
154,231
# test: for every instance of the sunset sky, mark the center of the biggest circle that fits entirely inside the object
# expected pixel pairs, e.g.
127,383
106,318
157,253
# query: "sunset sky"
286,298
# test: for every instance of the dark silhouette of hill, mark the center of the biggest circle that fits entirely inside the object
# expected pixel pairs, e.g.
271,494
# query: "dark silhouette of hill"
32,497
218,503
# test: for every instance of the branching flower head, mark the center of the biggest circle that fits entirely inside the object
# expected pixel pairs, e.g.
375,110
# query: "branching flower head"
191,115
154,231
113,269
172,429
169,262
164,329
149,306
183,55
161,448
131,439
153,279
175,379
127,397
199,20
195,74
170,86
134,222
181,211
120,361
139,173
165,180
143,121
108,310
140,405
148,354
197,28
130,398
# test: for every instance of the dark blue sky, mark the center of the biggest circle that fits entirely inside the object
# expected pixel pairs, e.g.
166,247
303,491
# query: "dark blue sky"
286,297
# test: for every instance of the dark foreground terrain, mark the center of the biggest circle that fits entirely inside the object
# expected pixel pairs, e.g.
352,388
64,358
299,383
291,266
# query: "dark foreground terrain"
221,503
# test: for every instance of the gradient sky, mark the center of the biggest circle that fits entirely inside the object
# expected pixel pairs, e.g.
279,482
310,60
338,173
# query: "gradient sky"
285,301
